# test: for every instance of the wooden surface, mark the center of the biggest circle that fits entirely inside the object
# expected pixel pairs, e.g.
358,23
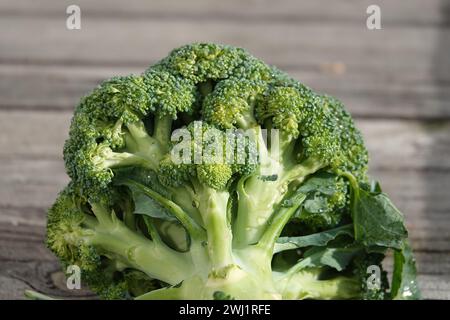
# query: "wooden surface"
395,81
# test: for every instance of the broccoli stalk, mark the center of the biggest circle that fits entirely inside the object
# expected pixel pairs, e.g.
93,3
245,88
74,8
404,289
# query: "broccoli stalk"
213,210
259,197
85,232
306,284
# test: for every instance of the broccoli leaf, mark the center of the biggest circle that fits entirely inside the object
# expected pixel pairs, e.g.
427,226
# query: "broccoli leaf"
316,239
404,283
337,258
145,205
377,221
322,182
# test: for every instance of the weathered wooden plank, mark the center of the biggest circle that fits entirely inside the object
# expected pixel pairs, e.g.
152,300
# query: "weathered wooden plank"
289,11
33,183
435,287
391,50
51,87
33,134
366,94
400,145
42,276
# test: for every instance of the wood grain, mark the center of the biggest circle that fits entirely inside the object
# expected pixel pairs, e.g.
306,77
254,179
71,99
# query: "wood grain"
395,81
415,12
399,49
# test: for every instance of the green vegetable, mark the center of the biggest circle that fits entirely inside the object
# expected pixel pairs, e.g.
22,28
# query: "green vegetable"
176,193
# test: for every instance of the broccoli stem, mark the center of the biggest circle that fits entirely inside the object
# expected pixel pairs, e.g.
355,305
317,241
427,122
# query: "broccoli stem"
33,295
135,251
147,147
162,130
297,173
186,198
213,209
277,224
128,214
140,135
156,238
306,284
355,195
124,159
258,199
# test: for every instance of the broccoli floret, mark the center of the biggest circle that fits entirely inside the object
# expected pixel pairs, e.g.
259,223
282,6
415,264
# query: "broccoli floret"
91,235
214,175
372,279
324,207
232,103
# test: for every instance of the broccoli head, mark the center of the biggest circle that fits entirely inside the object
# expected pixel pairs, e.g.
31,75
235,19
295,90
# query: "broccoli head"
213,175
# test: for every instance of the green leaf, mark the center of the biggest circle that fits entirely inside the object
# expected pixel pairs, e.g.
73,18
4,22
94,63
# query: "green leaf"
326,196
145,205
377,221
143,176
337,258
316,239
404,283
322,182
316,205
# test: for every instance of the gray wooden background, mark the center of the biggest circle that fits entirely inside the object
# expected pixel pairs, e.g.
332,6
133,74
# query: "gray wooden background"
395,81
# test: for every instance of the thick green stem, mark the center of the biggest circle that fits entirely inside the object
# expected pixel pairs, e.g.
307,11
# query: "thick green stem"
147,147
185,197
158,262
276,225
256,202
258,196
213,209
162,130
307,285
299,172
354,198
258,199
125,159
